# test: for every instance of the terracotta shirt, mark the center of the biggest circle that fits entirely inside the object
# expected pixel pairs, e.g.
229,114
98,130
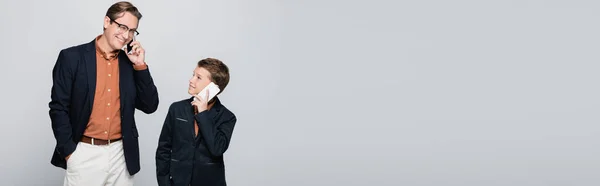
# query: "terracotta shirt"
105,121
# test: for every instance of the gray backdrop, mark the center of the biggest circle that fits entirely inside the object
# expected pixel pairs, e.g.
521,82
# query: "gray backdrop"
419,93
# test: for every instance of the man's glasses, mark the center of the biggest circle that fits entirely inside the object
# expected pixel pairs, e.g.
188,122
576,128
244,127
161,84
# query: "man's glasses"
123,28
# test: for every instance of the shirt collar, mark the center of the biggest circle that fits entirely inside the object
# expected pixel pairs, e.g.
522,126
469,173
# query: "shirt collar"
105,55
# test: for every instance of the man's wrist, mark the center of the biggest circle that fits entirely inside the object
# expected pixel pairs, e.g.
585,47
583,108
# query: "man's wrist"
142,66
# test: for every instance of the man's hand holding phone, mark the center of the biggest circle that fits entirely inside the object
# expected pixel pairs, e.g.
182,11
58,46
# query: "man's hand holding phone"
136,53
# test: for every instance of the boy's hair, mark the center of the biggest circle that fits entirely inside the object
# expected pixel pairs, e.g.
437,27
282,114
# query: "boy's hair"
219,72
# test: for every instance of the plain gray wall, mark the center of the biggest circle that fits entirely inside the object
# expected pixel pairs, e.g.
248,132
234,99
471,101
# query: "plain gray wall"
419,93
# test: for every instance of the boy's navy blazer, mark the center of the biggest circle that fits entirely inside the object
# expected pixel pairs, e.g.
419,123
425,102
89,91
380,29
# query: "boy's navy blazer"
184,158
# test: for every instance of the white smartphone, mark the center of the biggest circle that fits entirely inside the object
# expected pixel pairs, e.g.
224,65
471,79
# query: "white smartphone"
212,88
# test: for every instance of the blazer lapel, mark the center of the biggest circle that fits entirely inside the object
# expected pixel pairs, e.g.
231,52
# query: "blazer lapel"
191,116
214,112
90,65
123,75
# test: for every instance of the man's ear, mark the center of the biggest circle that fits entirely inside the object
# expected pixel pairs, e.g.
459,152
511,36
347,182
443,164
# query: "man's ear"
106,22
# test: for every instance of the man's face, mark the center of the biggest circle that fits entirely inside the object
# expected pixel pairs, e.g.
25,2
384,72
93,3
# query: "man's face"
199,80
120,31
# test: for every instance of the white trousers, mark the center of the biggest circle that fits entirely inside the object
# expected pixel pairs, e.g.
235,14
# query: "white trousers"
97,165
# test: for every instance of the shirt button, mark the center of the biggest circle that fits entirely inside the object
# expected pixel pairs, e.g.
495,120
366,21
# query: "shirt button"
105,132
108,63
108,75
108,104
109,89
107,118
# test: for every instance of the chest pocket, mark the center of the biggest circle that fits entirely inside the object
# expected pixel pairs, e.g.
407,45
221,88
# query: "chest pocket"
183,128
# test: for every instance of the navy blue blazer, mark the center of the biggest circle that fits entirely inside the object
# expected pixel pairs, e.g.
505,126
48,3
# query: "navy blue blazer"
73,88
184,158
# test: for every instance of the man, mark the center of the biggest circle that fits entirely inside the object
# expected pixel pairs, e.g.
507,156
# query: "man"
196,133
96,89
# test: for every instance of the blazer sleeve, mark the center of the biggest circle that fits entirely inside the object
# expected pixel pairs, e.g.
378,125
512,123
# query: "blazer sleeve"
163,151
217,134
147,93
60,103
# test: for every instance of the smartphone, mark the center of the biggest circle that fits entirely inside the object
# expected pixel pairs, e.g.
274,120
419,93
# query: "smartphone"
213,90
129,47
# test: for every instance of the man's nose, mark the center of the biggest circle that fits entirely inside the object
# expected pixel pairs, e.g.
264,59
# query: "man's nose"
126,35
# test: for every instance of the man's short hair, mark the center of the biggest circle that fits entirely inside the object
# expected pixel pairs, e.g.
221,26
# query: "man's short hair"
116,10
219,72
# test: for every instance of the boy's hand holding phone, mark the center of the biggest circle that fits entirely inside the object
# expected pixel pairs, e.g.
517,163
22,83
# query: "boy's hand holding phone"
200,103
208,93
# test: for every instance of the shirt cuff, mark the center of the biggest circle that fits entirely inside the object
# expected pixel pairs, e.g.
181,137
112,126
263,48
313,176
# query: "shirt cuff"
140,67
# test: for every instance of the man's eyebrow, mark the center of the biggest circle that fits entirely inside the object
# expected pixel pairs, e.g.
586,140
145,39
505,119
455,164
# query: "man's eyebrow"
130,27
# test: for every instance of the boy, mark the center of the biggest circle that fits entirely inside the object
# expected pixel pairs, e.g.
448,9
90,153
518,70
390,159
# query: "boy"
196,133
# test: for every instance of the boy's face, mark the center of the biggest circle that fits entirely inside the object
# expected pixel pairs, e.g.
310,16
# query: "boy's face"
199,80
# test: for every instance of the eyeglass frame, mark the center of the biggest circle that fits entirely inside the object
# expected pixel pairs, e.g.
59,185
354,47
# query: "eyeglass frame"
119,25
